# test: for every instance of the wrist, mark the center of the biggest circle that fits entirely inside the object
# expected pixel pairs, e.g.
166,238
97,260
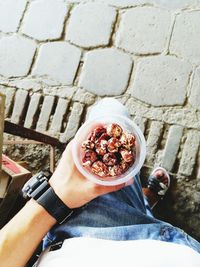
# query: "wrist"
63,192
39,213
39,189
74,194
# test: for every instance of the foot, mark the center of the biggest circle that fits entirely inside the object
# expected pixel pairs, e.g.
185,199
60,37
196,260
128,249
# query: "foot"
157,186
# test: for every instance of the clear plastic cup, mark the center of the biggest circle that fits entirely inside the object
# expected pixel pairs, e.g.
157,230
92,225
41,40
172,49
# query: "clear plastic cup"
120,117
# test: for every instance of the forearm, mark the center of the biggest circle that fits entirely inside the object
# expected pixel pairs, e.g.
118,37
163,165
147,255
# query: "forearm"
21,236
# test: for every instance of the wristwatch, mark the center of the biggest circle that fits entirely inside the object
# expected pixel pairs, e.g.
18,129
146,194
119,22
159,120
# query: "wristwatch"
39,189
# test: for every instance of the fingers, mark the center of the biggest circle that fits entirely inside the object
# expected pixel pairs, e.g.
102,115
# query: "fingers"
100,190
129,182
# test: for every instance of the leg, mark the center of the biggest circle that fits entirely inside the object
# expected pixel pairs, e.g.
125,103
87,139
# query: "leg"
125,207
119,216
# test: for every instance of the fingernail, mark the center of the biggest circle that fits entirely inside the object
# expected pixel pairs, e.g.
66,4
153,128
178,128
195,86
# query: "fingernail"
129,182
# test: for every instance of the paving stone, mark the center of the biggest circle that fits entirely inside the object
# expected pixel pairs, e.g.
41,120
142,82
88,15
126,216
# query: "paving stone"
75,1
3,80
27,84
44,19
73,122
64,92
176,4
10,14
124,3
171,147
84,97
16,55
59,61
141,122
45,113
194,98
90,25
58,116
19,106
32,110
154,135
122,99
198,174
161,81
9,93
189,153
47,81
186,117
185,37
106,72
144,36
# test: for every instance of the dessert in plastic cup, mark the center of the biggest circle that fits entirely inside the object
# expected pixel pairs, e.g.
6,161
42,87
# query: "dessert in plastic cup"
128,126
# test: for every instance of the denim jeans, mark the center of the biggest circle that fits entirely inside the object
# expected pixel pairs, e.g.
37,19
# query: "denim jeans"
121,215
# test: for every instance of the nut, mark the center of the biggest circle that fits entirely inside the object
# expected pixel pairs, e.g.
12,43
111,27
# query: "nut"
99,168
127,140
104,136
127,155
109,159
96,133
89,157
115,170
124,165
88,144
101,147
113,144
114,130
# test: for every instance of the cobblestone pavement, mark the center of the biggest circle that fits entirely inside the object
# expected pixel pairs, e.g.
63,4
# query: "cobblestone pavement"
58,57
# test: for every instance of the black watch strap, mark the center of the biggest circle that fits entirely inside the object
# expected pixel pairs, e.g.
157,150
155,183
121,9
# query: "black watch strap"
54,205
38,188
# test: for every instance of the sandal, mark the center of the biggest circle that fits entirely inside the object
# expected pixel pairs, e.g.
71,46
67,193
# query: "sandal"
157,186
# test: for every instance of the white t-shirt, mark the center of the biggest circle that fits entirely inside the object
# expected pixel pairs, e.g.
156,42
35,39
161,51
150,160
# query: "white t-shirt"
91,252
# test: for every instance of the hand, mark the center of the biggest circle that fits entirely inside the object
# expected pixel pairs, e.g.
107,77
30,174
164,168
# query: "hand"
72,187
